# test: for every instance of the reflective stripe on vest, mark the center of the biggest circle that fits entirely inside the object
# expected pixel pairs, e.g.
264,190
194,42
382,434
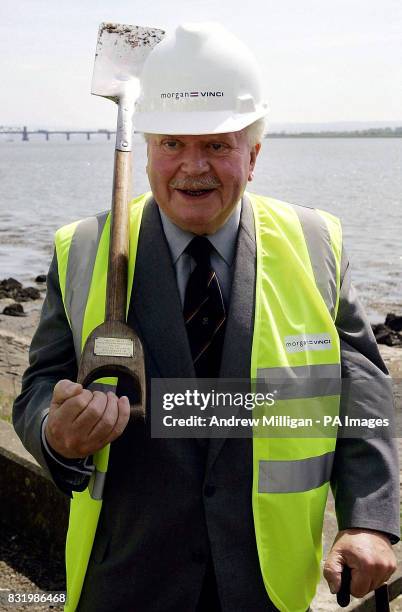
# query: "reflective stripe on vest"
321,251
297,295
294,476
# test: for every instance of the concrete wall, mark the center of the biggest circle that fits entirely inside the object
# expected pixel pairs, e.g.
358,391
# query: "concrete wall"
30,503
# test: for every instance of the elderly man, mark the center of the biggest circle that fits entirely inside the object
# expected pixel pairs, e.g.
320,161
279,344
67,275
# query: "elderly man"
222,280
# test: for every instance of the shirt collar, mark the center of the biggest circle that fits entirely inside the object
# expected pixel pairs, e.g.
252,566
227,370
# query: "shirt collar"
223,240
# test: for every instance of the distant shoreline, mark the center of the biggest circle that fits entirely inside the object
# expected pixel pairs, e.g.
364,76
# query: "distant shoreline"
377,132
333,135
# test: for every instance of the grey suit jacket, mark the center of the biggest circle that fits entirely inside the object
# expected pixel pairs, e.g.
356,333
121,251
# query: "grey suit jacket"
167,506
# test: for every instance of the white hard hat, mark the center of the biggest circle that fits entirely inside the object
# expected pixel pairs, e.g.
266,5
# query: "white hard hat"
199,80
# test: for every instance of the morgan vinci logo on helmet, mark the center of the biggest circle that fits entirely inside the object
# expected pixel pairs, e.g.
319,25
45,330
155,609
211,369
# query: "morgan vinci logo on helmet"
191,94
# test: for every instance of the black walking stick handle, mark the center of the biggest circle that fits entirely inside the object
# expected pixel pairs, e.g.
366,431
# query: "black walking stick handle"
382,598
343,595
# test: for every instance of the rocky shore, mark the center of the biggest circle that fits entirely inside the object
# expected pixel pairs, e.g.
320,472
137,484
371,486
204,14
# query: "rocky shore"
19,315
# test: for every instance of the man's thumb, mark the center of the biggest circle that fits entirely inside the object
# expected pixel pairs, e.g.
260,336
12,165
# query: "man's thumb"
65,389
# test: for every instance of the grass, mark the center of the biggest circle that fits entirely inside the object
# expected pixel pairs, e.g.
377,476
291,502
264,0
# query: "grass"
6,406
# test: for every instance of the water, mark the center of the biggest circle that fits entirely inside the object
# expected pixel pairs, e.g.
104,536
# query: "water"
47,184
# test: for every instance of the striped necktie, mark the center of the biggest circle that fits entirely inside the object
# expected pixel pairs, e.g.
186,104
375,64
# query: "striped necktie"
204,311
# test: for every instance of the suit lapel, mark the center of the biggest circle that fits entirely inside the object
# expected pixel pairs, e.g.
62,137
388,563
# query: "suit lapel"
155,301
236,356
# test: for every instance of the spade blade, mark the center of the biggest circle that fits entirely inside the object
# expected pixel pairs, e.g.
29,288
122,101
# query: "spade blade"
121,51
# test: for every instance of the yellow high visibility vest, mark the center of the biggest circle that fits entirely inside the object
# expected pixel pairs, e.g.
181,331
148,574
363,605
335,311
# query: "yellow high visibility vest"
295,347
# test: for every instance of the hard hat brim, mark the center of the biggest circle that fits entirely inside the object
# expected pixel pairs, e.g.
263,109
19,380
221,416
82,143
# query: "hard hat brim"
195,123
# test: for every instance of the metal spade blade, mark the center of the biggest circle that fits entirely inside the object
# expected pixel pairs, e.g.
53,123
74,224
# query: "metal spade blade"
121,51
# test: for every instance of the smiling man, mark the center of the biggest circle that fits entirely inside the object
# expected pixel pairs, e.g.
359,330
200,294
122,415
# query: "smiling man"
198,180
223,279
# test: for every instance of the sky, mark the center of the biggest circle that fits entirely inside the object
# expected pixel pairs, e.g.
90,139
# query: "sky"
322,60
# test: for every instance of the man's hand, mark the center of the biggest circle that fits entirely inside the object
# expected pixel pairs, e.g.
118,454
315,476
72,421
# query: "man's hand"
369,555
81,422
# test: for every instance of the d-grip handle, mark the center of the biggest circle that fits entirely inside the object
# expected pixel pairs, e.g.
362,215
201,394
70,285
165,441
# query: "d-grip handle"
343,595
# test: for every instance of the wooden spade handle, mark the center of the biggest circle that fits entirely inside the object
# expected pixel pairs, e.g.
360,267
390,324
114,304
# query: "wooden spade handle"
116,294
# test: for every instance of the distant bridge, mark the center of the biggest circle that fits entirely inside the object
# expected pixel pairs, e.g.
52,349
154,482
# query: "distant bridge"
386,132
25,133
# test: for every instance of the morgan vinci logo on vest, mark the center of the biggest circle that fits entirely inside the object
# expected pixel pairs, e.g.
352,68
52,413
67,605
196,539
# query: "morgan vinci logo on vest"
308,342
177,95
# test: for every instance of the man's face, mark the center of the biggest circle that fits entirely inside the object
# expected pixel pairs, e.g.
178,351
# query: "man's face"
198,180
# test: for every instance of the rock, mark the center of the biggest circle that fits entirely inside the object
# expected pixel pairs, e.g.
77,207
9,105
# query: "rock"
10,283
14,310
8,287
390,332
385,335
28,293
393,322
396,339
380,331
41,278
11,288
